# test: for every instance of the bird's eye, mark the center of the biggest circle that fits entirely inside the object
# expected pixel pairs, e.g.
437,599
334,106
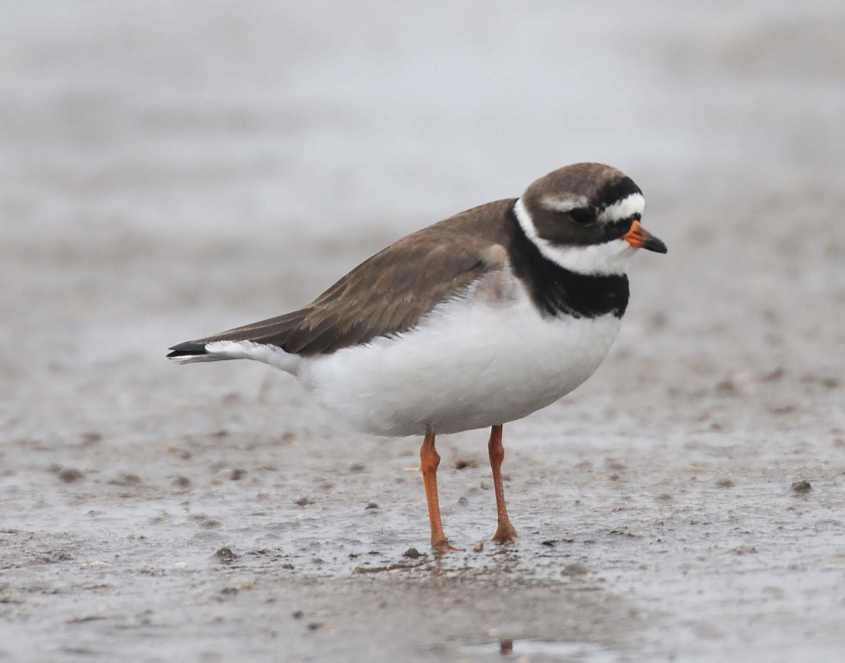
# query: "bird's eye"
582,215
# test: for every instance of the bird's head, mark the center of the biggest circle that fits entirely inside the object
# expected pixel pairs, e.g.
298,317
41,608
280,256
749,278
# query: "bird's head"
587,218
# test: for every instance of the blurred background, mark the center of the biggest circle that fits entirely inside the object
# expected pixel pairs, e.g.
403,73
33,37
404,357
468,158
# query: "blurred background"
168,170
171,169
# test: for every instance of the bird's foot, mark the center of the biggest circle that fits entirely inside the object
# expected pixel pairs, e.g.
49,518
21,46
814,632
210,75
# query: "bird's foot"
505,533
443,547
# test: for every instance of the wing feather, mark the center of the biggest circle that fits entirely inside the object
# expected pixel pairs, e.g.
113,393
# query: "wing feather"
388,293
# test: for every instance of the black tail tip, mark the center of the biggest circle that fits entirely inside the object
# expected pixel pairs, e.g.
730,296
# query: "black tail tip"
187,349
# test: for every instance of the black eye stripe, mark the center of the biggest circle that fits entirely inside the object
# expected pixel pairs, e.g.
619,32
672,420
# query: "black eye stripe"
617,229
583,215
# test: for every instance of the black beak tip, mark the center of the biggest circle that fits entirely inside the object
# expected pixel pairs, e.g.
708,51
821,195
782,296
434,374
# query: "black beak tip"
656,245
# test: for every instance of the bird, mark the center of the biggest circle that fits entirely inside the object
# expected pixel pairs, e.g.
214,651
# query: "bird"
472,322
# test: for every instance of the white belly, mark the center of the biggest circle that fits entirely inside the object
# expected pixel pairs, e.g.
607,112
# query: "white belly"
471,363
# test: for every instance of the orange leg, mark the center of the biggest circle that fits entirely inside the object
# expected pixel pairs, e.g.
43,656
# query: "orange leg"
505,533
429,460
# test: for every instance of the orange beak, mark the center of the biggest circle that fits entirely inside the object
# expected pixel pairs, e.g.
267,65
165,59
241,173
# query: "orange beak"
640,238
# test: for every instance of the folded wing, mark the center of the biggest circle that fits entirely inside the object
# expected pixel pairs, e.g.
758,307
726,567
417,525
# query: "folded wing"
387,294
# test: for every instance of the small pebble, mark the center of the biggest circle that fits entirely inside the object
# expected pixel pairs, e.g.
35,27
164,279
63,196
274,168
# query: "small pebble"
372,505
127,479
181,482
412,553
237,474
801,487
304,501
226,555
725,483
298,614
574,569
313,626
69,475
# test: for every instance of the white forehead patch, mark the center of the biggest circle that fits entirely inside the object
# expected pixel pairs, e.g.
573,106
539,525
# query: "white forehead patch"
623,209
598,259
563,203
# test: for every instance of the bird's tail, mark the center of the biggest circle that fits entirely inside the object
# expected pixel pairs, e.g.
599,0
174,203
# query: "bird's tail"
261,341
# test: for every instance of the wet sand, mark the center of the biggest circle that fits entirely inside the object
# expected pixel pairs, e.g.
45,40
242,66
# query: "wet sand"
166,173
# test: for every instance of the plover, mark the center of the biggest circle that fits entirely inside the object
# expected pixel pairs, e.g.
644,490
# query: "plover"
472,322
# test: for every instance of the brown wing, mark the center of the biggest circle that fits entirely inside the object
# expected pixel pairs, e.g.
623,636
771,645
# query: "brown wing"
390,292
386,294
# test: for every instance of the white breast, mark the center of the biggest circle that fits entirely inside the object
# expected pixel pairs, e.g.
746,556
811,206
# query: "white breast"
471,363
